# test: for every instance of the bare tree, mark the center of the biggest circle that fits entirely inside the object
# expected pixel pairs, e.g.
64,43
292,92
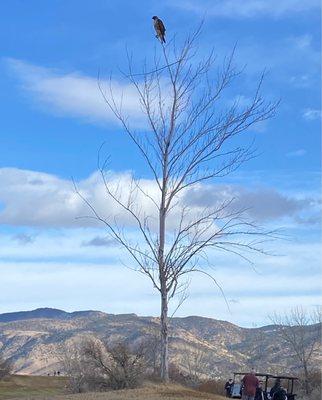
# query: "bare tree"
301,332
122,367
151,350
198,363
81,375
190,139
94,366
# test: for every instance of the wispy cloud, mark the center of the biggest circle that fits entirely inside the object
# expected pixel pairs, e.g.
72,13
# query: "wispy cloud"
23,238
100,241
301,81
247,9
74,94
49,245
297,153
303,41
101,286
311,114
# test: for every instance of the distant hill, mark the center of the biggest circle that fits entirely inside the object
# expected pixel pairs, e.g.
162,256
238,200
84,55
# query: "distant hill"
38,313
37,340
48,313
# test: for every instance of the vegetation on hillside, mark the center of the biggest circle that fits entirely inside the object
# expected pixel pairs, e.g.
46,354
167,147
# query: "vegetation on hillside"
53,388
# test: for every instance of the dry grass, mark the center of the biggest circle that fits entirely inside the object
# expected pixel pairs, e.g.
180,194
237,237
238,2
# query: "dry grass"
149,392
20,387
50,388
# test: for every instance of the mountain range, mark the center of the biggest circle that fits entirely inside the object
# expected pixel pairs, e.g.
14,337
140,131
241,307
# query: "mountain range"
36,341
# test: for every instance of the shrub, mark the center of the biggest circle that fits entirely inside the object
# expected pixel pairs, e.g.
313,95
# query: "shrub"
314,380
98,367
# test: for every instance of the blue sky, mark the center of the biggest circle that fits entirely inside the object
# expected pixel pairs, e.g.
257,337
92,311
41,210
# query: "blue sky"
53,121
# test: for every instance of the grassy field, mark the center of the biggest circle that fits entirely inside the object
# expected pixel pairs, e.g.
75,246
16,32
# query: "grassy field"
51,388
20,387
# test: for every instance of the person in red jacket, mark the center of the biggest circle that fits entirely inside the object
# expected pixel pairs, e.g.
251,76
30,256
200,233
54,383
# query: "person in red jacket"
250,384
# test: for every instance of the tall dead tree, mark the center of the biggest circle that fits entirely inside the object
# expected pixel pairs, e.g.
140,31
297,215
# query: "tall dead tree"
300,330
190,138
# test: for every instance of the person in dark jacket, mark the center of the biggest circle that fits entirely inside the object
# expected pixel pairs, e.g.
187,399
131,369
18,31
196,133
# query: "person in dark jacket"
277,392
228,387
280,394
259,395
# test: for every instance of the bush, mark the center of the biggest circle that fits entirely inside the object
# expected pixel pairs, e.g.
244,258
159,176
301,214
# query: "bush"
126,369
314,379
98,367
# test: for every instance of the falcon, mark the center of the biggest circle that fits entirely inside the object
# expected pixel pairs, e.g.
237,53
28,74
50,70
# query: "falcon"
159,28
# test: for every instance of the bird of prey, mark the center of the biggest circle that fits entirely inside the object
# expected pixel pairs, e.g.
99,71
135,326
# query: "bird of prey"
159,28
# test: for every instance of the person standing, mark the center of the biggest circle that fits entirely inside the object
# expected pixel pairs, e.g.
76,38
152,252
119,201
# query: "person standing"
250,384
259,395
277,392
228,387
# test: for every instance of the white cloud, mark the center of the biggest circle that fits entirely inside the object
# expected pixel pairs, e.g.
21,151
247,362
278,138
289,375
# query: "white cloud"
311,114
53,202
248,8
39,199
72,269
75,94
262,203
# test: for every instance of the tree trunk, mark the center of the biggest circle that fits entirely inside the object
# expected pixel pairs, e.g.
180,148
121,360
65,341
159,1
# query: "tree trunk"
164,337
163,281
306,379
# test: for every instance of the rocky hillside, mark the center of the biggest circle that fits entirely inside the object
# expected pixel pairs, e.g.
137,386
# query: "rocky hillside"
37,340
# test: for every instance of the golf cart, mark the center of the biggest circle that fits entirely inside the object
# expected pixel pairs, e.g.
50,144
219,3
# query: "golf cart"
268,382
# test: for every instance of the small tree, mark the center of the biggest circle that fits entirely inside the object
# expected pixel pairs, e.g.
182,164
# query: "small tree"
198,363
151,350
96,366
190,139
301,332
81,376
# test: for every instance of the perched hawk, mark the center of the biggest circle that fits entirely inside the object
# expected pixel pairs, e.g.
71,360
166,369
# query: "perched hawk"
159,28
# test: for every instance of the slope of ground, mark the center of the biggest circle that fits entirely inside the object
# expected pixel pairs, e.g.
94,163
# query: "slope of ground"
19,387
51,388
151,392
